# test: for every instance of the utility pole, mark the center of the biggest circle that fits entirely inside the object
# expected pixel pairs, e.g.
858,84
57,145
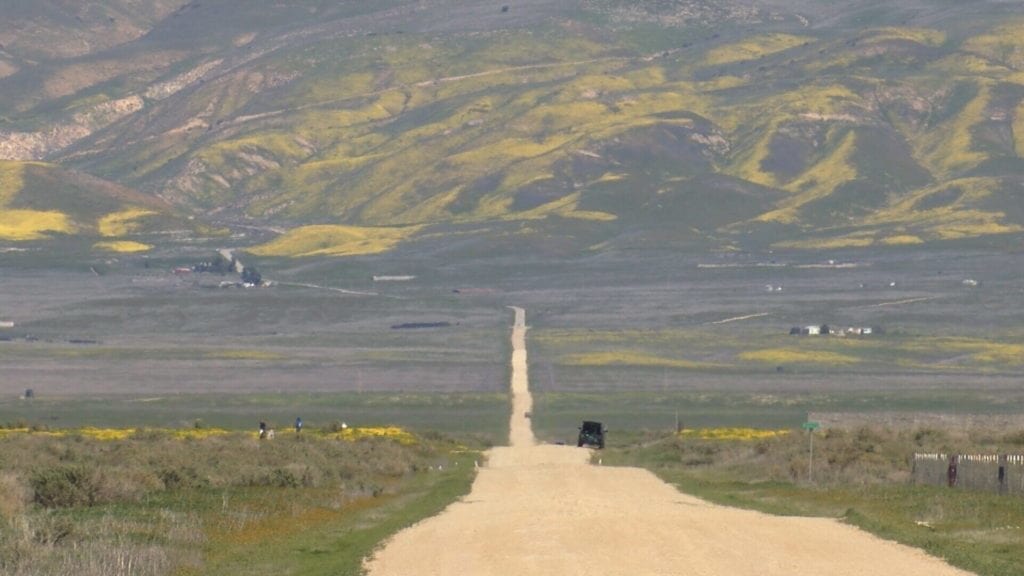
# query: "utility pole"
810,426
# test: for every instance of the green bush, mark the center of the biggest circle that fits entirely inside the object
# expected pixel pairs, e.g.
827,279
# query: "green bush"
65,487
179,478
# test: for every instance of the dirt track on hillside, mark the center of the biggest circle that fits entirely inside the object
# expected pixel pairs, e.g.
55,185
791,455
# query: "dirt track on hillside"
544,510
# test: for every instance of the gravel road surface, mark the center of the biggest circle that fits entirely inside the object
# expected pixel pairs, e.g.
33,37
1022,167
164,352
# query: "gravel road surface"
545,510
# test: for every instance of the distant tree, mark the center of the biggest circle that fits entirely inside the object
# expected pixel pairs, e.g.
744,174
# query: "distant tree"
825,330
251,276
222,265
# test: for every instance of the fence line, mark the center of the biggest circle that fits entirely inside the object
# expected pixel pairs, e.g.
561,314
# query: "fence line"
1017,459
1003,473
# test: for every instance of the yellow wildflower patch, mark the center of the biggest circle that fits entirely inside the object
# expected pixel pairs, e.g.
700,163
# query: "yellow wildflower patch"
106,433
742,434
391,432
1002,354
114,434
1018,129
197,433
12,179
122,246
243,355
329,240
818,182
5,432
950,147
901,240
755,47
592,215
951,220
32,224
851,241
1004,45
121,223
925,36
627,358
793,355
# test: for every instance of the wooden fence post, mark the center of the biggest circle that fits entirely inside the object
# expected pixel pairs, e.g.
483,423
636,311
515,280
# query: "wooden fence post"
1002,473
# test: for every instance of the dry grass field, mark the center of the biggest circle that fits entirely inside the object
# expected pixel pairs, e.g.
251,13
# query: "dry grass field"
636,343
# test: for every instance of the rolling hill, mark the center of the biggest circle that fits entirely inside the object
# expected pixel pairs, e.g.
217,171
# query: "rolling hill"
44,202
568,127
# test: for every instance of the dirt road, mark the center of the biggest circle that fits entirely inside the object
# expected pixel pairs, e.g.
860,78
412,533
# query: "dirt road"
544,510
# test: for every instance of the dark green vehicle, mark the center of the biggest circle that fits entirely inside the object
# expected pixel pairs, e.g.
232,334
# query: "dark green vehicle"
591,434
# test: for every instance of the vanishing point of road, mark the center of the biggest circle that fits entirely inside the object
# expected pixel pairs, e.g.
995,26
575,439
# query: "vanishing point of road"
542,510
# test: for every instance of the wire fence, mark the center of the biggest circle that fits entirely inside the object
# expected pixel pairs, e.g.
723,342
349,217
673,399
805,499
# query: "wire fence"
1002,473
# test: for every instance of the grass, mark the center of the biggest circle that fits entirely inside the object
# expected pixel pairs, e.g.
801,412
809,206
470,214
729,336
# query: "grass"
417,129
720,351
950,148
738,434
121,223
860,477
630,359
122,246
557,413
328,240
91,501
817,182
777,356
925,36
1003,44
23,225
483,415
1018,130
754,47
12,180
336,542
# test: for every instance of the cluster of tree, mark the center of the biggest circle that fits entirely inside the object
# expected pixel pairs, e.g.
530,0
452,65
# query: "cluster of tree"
222,265
251,276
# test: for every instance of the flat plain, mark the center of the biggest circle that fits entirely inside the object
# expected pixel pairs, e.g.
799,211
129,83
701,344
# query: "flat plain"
634,340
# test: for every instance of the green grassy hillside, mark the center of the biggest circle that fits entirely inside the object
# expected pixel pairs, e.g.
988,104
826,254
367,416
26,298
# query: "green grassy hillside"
571,126
41,201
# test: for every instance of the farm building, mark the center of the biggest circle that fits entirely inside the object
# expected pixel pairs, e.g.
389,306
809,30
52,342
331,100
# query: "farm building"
826,330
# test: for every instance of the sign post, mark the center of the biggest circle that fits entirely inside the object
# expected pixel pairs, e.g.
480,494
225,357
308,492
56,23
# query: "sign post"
810,426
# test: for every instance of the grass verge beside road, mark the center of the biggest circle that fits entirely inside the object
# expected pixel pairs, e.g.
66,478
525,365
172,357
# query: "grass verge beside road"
861,477
479,414
157,503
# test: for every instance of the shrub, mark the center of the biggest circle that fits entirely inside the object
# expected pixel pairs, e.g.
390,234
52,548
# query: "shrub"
65,487
182,478
1015,438
14,495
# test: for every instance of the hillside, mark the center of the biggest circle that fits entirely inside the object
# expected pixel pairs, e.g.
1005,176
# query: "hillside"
44,202
567,126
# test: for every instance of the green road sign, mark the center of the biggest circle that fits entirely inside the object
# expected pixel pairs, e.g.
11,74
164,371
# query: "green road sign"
811,425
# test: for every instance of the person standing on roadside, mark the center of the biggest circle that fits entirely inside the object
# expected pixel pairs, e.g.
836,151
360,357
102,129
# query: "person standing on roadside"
298,424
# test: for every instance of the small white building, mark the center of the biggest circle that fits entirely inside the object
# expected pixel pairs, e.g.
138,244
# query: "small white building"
812,330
